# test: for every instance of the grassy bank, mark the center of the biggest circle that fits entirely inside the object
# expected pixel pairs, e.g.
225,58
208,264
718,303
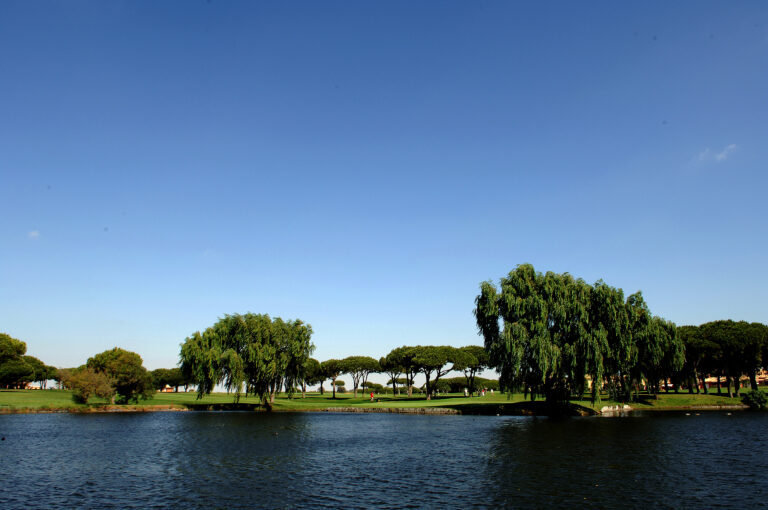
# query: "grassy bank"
498,403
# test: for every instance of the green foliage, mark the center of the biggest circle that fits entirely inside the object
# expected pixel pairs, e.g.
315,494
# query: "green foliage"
172,377
471,360
548,333
250,352
432,361
755,399
312,372
359,367
401,360
739,348
42,372
88,382
331,369
10,348
126,373
457,384
15,373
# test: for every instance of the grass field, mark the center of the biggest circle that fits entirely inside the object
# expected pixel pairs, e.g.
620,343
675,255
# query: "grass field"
44,400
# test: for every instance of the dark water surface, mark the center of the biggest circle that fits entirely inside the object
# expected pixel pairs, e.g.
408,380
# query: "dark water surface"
282,460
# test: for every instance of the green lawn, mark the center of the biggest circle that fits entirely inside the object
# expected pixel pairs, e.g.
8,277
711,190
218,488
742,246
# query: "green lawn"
19,400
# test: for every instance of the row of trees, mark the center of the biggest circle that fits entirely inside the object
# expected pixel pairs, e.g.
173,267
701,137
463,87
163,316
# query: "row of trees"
173,377
554,335
433,361
724,349
17,369
551,334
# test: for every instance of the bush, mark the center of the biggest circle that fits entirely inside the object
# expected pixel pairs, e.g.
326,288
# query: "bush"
755,399
87,383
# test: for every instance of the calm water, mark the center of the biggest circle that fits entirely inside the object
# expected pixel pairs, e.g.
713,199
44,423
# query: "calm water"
225,460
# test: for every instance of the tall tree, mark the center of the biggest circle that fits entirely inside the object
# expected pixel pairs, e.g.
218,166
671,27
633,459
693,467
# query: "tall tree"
403,357
14,371
699,354
432,361
125,370
359,367
311,375
250,353
471,359
546,344
331,369
42,372
390,367
609,319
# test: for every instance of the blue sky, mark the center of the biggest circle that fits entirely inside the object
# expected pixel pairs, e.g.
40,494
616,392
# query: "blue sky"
364,166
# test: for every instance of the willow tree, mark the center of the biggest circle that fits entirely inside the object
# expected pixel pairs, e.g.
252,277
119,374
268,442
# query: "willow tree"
538,336
248,353
610,320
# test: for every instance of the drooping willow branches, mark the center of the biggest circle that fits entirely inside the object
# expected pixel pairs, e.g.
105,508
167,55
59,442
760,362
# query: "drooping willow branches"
249,353
547,334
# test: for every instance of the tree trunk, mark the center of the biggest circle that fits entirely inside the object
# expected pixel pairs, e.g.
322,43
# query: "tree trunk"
753,380
322,391
426,387
303,389
334,387
704,384
728,385
719,385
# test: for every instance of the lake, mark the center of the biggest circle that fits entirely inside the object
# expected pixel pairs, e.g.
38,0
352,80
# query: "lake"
326,460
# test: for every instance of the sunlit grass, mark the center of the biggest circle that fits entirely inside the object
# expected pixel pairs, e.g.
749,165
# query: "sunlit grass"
40,400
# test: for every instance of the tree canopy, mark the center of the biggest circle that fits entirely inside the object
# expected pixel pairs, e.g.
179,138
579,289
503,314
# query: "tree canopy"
550,333
249,353
359,368
126,373
17,369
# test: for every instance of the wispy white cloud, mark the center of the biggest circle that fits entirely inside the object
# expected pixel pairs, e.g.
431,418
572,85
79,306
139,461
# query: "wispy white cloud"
717,156
723,155
33,234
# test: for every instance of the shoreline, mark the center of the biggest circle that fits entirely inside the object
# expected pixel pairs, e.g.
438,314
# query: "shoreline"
482,410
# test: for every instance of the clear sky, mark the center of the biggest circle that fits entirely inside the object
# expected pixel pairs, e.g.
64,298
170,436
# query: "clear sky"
363,166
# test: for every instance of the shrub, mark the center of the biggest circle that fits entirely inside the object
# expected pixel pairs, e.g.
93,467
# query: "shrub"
755,399
87,383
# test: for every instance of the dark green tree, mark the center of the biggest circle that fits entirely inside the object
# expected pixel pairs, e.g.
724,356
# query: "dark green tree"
331,369
392,369
312,375
126,372
403,357
359,368
471,359
432,361
15,373
546,345
250,353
